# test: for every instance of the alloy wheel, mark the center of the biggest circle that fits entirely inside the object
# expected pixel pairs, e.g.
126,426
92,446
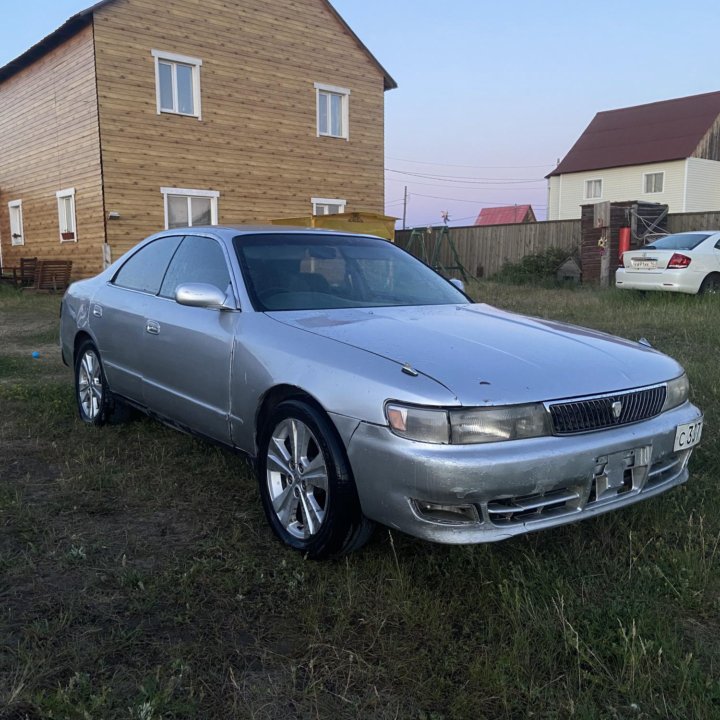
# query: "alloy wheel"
90,385
297,478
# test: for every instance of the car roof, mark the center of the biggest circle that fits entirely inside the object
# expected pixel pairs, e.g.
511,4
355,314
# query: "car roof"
234,230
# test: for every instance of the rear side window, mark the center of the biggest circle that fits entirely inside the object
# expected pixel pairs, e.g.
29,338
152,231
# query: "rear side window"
145,270
198,260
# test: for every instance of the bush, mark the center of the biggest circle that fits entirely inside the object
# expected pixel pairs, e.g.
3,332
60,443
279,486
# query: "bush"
540,268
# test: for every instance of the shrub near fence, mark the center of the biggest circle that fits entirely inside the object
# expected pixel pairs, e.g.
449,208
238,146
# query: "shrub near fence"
483,250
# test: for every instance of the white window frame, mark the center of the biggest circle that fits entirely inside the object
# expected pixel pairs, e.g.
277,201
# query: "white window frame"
174,59
185,192
323,89
16,204
62,195
644,183
587,184
327,201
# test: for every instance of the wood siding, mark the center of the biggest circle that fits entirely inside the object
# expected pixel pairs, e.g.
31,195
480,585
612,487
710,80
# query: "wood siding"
257,141
484,249
49,142
709,146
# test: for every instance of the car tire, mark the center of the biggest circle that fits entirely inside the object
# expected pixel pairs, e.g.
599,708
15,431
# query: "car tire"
306,484
711,285
95,402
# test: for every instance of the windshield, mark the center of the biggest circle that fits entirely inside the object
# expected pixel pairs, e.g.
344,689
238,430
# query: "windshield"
681,241
322,271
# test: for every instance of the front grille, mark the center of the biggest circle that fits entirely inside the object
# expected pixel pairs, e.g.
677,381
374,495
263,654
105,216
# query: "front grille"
603,412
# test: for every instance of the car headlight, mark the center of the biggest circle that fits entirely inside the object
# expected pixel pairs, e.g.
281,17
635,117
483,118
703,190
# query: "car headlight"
466,427
423,424
678,391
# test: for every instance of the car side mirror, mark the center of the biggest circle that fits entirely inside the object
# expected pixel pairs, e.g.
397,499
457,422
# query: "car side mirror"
459,284
201,295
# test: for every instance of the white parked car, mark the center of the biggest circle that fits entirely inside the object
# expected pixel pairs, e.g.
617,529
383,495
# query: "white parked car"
685,262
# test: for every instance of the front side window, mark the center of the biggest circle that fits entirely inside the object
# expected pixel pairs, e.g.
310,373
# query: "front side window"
66,215
177,79
654,182
145,270
197,260
189,208
593,189
332,111
328,206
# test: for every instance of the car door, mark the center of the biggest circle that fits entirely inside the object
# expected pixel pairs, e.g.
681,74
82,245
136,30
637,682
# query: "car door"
118,311
187,350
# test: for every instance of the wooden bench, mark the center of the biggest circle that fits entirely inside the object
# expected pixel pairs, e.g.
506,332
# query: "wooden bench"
52,275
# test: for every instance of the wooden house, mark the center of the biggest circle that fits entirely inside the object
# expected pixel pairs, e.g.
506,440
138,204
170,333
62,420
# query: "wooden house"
137,115
664,152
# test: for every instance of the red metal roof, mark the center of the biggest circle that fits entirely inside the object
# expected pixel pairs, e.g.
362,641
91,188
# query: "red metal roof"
505,215
656,132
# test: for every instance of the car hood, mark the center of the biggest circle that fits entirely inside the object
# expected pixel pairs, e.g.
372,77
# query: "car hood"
488,356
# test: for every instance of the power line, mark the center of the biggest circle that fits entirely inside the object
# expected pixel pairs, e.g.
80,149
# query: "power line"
471,187
474,202
475,167
468,180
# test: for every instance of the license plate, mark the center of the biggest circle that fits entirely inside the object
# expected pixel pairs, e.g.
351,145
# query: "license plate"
688,435
644,264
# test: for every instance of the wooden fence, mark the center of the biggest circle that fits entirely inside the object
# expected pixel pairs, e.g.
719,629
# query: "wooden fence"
485,249
683,222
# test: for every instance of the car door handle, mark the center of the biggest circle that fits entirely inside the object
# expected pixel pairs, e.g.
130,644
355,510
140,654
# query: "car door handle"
97,310
152,327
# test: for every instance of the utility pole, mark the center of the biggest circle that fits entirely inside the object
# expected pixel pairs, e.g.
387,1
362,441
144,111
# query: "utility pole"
405,207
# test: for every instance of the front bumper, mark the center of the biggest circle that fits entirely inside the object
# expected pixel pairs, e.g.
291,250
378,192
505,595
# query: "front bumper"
505,489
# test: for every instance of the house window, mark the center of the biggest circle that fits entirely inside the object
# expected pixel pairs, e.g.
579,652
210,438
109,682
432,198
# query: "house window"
332,111
593,189
66,215
654,182
17,236
187,208
177,84
328,206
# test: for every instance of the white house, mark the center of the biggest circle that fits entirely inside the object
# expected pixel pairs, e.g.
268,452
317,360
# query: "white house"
665,152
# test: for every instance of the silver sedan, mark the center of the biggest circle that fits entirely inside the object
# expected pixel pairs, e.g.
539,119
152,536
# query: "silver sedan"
368,389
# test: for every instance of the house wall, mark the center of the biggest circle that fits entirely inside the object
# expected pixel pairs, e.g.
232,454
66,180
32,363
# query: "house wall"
709,147
567,191
257,141
703,185
49,142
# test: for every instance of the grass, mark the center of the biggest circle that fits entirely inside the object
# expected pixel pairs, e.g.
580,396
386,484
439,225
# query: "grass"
140,580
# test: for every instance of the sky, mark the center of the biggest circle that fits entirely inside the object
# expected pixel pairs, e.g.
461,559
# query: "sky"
491,94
